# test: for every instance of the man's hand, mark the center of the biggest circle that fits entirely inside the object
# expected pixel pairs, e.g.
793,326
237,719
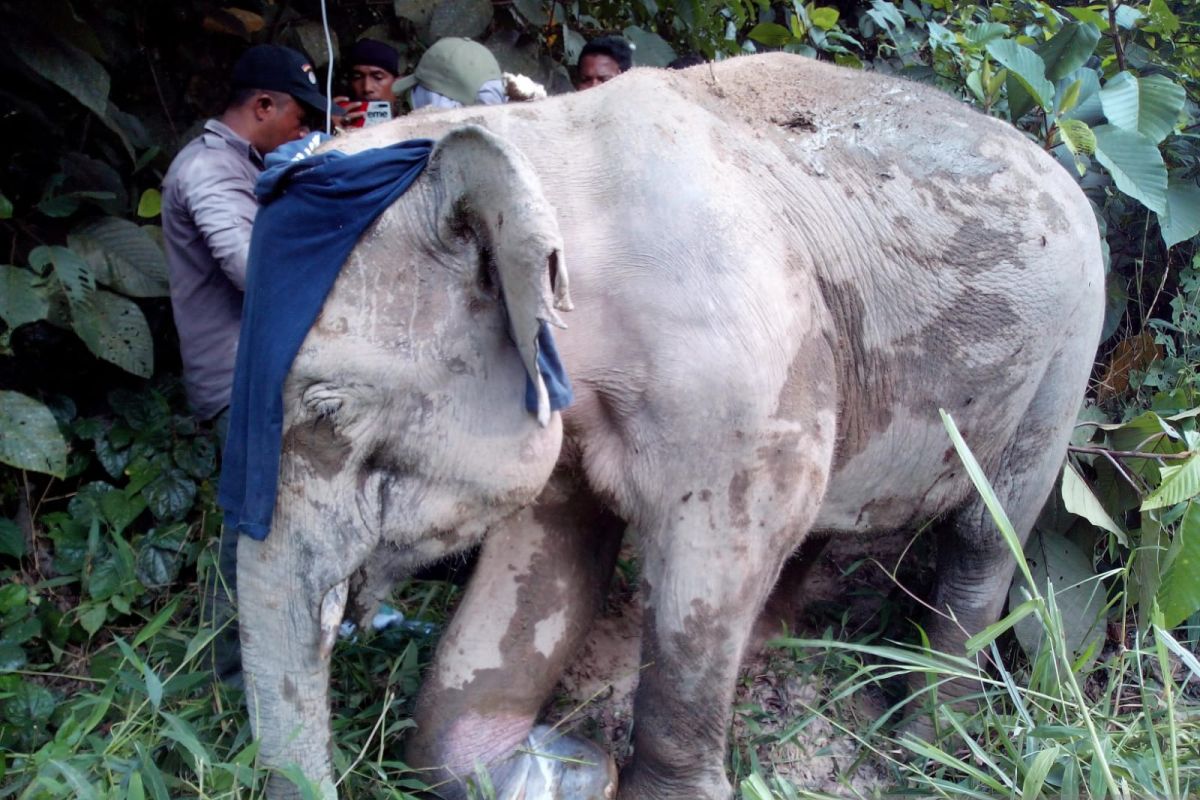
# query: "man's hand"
351,119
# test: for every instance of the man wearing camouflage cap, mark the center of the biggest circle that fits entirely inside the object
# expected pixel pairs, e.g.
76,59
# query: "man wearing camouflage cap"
454,72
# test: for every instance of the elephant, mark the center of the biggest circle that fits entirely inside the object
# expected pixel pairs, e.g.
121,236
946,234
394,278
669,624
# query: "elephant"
774,272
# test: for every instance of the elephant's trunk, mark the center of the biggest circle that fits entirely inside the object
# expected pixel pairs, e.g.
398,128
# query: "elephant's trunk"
286,672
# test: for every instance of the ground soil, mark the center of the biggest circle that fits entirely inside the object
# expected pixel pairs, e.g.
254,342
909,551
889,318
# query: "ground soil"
782,717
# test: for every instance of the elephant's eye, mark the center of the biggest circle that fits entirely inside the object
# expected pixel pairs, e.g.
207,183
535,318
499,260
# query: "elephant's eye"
323,400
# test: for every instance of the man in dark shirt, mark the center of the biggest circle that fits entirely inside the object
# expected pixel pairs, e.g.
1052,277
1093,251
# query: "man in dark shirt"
601,60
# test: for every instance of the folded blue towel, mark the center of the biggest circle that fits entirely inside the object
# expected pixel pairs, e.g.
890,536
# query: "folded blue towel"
313,210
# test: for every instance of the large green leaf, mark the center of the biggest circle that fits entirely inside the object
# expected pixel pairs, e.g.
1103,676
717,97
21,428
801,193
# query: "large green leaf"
1079,499
1162,19
824,17
64,65
115,330
650,49
1182,218
1069,49
23,296
122,256
29,436
1148,105
1026,67
1135,164
170,495
71,270
1179,592
1080,597
771,34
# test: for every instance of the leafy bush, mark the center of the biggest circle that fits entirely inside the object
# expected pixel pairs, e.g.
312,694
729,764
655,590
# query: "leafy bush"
107,485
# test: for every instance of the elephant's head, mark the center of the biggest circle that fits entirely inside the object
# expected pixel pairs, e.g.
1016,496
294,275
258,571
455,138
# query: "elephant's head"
405,429
408,394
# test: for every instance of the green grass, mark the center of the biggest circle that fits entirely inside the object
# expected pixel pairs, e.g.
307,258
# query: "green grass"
131,711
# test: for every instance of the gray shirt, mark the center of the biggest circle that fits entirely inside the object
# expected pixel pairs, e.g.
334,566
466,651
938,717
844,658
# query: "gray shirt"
208,209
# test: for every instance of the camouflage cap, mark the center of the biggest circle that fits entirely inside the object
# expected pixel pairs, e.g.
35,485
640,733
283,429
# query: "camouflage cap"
453,67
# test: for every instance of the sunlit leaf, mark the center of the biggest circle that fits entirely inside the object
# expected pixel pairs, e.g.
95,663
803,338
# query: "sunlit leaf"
770,34
1077,136
29,436
1089,15
1179,483
150,204
1135,163
1149,105
1179,593
1080,500
1026,67
825,17
1162,19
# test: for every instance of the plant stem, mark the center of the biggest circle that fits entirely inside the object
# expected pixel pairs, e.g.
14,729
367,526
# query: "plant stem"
1115,33
1129,453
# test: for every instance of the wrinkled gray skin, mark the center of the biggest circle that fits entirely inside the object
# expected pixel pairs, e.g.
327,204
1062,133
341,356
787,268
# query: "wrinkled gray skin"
781,271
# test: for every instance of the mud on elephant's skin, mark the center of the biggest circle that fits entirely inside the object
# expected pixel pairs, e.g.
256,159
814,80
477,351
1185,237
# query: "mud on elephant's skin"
768,316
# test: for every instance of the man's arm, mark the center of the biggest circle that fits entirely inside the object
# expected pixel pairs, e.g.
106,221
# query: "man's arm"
223,207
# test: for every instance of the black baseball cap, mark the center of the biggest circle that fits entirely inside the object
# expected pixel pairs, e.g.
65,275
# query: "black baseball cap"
280,69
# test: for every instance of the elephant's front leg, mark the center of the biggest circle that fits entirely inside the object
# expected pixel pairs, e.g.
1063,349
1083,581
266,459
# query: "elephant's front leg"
539,582
708,564
293,596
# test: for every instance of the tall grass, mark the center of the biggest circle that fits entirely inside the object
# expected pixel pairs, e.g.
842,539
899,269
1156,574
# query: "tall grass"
1126,727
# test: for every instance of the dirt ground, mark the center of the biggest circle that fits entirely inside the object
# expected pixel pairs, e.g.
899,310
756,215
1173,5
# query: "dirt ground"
780,690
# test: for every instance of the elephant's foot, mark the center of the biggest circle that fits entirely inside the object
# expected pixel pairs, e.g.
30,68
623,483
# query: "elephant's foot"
639,782
554,766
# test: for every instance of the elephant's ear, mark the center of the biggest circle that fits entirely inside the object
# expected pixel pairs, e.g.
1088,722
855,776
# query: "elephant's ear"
490,184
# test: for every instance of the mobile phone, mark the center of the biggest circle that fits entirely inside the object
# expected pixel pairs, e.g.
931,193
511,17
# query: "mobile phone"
378,111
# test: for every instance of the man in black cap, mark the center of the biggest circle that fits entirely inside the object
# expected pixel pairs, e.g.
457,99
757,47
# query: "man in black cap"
374,67
208,208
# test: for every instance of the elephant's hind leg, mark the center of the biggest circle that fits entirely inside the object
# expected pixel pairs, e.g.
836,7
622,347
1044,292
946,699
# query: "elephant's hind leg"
974,565
540,580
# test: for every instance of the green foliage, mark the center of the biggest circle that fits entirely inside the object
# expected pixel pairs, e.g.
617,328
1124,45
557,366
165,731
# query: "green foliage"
107,485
